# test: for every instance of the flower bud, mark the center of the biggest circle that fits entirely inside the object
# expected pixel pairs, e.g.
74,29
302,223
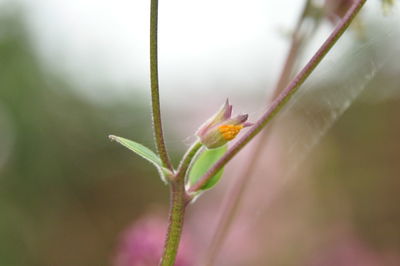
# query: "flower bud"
221,127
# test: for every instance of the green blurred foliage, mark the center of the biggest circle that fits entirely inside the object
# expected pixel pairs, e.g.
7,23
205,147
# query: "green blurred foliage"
358,177
66,191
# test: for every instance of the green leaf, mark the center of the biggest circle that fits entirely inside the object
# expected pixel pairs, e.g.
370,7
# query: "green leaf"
203,162
144,152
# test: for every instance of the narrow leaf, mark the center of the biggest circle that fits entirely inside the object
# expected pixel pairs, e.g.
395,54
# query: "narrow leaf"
144,152
203,162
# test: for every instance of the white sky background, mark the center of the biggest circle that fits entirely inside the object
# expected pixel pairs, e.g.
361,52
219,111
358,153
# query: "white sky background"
204,46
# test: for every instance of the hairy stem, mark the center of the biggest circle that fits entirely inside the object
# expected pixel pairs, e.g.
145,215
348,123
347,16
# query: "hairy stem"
284,96
178,203
155,95
176,215
187,159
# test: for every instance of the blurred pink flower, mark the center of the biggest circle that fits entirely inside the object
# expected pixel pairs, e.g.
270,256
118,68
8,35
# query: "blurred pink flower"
142,244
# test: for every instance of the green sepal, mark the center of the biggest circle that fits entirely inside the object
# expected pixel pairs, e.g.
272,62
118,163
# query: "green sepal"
203,163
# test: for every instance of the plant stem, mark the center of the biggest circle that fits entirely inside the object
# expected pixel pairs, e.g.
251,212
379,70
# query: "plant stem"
187,159
179,200
176,215
294,52
235,192
284,96
155,96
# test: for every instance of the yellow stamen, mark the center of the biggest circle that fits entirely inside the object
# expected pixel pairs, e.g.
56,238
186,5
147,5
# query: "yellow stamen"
229,132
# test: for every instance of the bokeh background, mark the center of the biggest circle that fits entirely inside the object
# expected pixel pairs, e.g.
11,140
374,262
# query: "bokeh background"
326,190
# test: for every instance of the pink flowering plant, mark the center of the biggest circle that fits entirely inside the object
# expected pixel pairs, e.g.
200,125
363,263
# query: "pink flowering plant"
221,128
202,165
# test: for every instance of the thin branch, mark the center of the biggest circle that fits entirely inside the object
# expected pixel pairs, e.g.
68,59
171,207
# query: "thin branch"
284,96
187,159
155,95
294,51
236,191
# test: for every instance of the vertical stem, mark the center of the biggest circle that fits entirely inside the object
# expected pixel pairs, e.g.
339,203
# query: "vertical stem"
177,185
178,204
176,216
155,95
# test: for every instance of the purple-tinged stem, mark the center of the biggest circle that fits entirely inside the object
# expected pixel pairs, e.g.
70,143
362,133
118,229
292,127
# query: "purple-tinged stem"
231,202
284,96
